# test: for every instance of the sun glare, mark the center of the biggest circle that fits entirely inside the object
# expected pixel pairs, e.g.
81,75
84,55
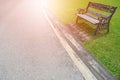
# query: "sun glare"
44,3
41,4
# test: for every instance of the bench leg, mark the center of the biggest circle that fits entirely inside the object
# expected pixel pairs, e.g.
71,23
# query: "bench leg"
77,19
107,28
98,26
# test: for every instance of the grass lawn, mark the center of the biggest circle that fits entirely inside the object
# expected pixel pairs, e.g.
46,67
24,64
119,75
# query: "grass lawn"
106,48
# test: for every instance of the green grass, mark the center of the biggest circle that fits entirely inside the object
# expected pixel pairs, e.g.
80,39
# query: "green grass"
106,48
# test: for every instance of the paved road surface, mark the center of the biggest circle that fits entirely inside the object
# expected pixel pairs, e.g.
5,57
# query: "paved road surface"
29,49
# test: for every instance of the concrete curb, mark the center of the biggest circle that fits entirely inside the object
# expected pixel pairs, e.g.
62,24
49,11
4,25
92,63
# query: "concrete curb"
96,68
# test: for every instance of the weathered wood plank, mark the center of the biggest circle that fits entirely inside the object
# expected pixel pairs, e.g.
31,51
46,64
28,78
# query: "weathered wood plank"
88,18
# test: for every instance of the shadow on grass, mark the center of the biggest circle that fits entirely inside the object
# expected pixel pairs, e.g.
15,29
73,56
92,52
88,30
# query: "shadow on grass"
90,29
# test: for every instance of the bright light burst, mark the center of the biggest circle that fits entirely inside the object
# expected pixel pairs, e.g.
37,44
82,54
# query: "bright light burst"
44,3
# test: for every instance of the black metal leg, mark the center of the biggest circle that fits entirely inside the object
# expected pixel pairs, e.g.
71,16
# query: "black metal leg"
97,29
77,19
107,28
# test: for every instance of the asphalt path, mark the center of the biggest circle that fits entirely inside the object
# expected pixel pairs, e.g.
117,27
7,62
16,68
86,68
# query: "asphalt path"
29,49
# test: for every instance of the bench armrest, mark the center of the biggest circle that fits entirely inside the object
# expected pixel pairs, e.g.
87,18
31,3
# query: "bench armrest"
81,11
103,20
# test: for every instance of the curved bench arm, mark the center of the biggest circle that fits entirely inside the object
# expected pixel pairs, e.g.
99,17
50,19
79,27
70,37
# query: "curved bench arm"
103,20
81,11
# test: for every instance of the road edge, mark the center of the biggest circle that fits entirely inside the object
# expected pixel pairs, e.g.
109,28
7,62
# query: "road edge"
87,74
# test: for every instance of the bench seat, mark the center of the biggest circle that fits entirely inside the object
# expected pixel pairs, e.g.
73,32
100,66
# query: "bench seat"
88,18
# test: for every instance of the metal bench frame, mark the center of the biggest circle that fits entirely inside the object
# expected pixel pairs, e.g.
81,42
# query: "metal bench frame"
102,21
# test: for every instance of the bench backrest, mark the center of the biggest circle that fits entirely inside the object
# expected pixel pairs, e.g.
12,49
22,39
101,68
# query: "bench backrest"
100,10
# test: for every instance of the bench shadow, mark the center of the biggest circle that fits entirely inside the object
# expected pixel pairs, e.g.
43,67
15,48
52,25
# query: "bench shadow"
90,30
85,31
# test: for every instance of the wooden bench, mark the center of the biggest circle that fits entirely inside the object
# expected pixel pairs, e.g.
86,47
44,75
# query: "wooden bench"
98,14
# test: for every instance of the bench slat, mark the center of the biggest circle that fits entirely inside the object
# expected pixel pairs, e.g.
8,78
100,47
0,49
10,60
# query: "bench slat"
90,19
102,7
97,13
